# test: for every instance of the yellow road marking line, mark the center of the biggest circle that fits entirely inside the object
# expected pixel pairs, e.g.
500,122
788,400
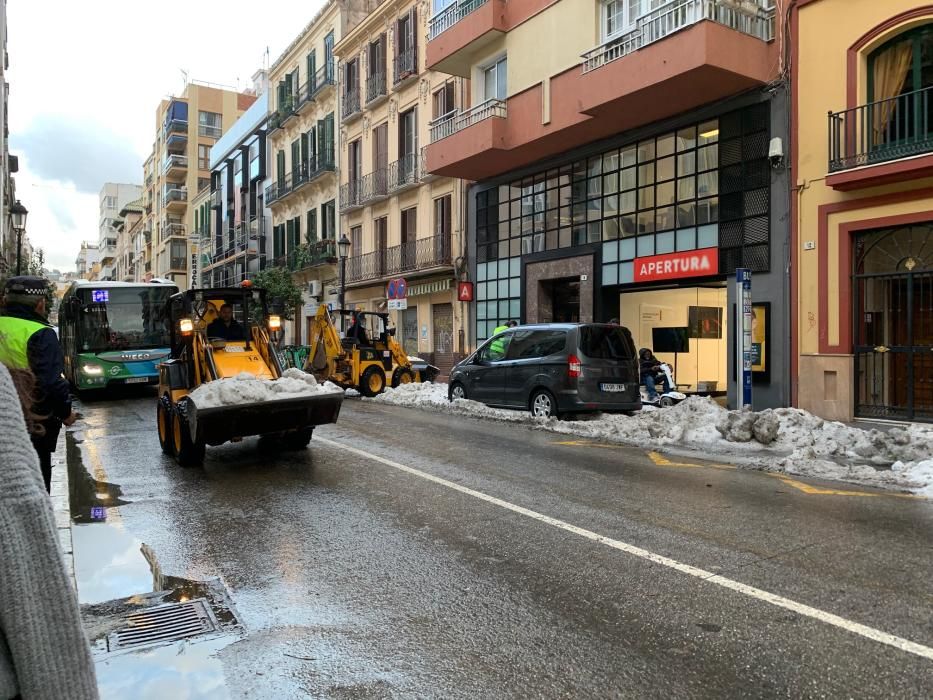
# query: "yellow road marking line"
811,490
583,443
663,461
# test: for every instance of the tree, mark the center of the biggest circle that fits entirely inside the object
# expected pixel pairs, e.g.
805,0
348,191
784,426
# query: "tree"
36,267
282,294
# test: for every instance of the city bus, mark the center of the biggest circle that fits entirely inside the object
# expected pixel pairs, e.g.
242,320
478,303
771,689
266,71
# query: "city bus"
114,332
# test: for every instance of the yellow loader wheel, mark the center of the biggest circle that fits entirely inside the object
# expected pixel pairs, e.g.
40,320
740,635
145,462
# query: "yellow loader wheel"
373,381
188,452
164,422
402,375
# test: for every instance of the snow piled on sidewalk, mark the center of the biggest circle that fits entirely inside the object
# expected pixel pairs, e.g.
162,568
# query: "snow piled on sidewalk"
785,440
246,388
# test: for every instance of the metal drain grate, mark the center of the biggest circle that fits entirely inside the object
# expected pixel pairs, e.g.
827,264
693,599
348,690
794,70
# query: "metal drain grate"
166,623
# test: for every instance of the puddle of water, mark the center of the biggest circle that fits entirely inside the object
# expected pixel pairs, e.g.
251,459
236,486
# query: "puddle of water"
90,498
180,670
108,563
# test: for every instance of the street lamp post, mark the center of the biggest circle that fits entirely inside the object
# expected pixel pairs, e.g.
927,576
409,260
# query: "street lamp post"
18,213
343,250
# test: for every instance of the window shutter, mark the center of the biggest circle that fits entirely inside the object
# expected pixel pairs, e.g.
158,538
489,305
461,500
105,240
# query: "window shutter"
280,165
413,37
280,94
312,149
321,149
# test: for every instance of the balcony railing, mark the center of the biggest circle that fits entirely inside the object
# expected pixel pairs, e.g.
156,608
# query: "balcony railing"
452,122
175,161
881,131
453,14
307,172
405,65
175,126
174,195
405,172
211,132
374,186
170,230
350,195
323,78
313,254
752,17
375,86
351,102
179,264
421,254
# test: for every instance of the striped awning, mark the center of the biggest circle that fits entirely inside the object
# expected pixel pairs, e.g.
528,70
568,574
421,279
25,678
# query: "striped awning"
417,290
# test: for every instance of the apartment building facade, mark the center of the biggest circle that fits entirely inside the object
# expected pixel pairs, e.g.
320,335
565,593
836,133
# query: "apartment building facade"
303,157
863,217
402,221
88,257
233,224
186,128
113,198
630,184
126,227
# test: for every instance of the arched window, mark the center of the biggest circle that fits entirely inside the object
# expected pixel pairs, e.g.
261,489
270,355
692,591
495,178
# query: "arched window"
900,87
902,65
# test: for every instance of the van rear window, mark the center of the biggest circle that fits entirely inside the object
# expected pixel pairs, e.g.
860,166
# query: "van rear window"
606,343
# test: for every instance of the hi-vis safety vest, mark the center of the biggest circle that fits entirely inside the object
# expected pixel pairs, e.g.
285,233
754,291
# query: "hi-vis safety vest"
14,337
498,345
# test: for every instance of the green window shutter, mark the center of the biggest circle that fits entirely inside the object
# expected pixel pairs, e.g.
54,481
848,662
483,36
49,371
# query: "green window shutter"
280,166
312,149
322,153
280,94
329,137
297,231
304,151
312,69
289,232
296,158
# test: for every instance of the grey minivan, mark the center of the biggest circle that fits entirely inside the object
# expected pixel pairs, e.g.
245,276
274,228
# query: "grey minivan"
552,369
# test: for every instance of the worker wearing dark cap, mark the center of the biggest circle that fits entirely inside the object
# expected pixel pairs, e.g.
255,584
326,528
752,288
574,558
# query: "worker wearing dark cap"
28,341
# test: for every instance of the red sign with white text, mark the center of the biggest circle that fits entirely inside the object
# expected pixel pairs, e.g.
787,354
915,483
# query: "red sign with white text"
465,291
690,263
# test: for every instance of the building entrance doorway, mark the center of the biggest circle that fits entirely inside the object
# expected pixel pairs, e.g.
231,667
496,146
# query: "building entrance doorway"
564,295
893,285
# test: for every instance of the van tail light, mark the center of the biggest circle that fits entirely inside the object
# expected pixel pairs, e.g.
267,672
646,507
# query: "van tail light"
574,368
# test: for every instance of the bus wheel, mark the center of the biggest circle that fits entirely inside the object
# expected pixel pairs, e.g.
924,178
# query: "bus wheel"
188,452
164,422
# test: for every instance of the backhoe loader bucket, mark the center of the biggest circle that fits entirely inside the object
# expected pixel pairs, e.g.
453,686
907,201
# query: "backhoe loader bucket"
217,425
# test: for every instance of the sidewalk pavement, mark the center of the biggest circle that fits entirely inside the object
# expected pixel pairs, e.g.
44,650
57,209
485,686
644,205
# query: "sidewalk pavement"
61,505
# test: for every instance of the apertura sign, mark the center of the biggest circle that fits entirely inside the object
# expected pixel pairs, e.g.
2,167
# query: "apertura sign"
690,263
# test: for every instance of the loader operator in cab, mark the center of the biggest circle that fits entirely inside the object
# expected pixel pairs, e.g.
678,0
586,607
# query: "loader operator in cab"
357,330
225,326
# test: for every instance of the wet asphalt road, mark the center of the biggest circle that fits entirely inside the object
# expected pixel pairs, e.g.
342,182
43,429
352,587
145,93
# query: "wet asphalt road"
354,578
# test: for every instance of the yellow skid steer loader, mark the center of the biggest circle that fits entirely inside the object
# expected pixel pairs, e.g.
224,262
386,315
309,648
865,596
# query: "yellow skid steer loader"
221,334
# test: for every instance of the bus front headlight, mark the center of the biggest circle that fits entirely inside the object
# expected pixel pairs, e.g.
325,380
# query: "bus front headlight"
92,370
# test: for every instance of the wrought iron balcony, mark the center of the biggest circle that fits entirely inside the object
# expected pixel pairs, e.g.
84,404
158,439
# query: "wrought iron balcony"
752,17
350,195
413,256
375,87
405,173
405,65
449,17
452,122
881,131
313,254
351,103
323,79
374,187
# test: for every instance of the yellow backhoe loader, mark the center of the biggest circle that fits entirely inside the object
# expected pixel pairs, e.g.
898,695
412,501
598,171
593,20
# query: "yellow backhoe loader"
367,359
219,334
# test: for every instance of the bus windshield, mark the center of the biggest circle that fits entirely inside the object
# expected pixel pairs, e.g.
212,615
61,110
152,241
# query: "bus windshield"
123,318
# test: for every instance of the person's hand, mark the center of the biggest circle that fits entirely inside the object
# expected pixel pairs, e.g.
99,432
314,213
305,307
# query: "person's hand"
70,420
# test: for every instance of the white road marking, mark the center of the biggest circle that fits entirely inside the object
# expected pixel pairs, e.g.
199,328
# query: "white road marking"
707,576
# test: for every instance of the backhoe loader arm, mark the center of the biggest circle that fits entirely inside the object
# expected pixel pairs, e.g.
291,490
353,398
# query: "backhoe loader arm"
324,342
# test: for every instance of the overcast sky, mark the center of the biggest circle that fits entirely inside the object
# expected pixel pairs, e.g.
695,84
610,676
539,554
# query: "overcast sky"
85,81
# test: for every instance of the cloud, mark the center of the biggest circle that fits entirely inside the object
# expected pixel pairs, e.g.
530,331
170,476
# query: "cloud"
82,153
62,212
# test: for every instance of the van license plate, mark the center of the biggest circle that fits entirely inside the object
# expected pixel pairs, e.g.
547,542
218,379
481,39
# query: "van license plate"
137,380
612,387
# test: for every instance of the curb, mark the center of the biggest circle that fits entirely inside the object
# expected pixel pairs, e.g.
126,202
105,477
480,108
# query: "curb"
61,505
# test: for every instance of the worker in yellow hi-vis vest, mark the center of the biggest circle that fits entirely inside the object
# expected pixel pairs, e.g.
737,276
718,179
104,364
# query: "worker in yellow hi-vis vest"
27,341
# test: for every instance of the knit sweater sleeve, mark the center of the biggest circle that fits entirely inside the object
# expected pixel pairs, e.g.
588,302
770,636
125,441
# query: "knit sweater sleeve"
41,636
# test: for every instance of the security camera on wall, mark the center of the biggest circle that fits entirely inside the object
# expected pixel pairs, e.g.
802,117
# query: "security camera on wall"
776,152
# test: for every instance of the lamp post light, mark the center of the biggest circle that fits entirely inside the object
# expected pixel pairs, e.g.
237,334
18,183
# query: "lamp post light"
18,213
343,250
